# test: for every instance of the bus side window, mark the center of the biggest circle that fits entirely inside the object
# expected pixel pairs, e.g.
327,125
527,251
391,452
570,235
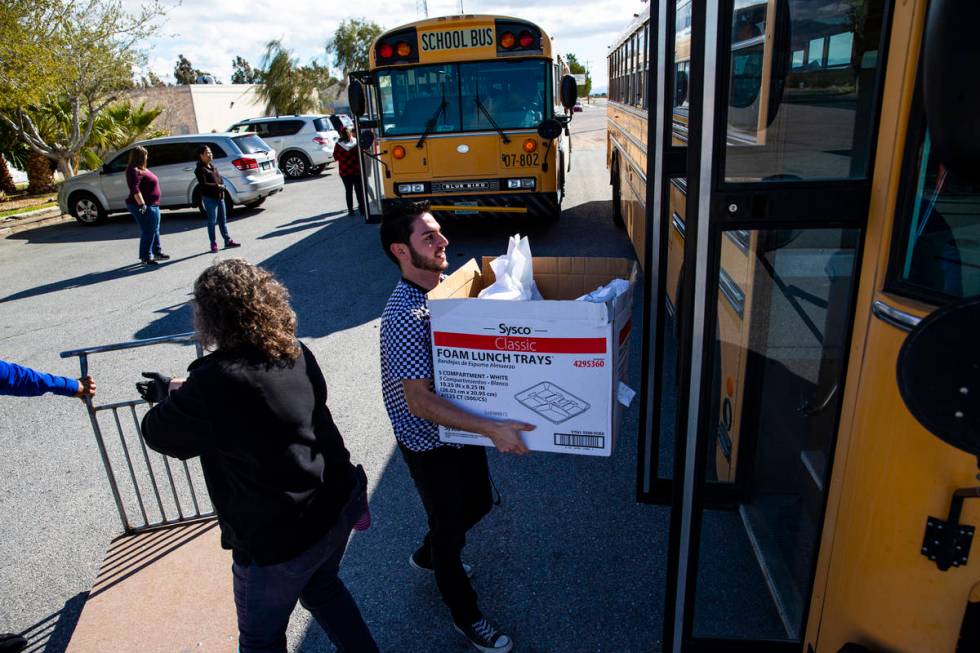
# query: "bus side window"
937,256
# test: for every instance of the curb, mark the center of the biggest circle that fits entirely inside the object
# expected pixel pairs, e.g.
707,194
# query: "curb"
31,220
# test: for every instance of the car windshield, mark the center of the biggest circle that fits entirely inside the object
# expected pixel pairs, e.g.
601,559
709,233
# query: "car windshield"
251,144
465,97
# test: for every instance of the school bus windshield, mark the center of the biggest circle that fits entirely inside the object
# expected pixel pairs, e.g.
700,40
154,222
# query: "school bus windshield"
464,97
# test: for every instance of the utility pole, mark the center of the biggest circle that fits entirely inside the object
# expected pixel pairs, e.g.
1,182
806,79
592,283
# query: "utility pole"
588,74
460,7
421,8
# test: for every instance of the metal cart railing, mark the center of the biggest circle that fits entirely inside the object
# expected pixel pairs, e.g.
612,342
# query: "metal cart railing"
165,494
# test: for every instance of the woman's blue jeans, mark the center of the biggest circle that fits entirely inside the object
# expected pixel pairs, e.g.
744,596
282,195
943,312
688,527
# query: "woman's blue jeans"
215,208
149,223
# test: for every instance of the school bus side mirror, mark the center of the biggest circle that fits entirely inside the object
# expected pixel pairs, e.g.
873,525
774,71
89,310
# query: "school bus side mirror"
950,47
549,129
355,98
937,374
569,92
366,140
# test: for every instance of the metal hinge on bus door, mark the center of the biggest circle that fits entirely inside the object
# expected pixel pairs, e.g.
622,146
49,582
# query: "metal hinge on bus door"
947,543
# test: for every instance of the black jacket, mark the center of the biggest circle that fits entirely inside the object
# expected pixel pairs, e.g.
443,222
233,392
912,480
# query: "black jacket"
209,180
275,464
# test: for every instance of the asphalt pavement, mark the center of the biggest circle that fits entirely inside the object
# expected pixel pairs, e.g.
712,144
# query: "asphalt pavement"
567,563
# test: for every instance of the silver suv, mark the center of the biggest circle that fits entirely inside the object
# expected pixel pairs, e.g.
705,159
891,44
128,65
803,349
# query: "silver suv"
304,143
246,163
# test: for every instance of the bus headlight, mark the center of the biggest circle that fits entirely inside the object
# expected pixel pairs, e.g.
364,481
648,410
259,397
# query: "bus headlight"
411,188
526,183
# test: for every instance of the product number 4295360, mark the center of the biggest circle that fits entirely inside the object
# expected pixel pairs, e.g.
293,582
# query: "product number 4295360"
595,362
519,160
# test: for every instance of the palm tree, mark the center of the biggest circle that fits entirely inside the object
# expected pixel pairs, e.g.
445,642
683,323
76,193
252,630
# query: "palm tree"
116,127
287,87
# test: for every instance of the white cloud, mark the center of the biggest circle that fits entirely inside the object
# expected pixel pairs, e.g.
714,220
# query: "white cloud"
212,33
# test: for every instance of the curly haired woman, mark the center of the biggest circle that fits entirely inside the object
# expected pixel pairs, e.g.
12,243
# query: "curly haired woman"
277,470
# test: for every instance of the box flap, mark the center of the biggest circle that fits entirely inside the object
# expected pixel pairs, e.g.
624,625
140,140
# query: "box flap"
464,282
568,277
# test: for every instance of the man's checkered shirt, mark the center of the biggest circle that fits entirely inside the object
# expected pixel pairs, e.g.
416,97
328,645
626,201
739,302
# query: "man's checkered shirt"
406,353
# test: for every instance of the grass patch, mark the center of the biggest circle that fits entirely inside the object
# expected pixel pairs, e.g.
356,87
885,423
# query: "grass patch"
9,212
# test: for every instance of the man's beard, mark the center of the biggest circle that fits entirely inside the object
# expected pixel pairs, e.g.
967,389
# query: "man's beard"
422,263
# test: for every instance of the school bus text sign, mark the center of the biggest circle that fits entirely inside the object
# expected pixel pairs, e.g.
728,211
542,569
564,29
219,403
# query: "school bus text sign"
456,39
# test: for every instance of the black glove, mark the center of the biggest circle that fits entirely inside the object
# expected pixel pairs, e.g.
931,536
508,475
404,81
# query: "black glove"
156,389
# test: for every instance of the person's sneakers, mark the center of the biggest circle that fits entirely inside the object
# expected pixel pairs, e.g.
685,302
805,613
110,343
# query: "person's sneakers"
485,637
146,261
160,256
214,248
10,643
417,562
231,243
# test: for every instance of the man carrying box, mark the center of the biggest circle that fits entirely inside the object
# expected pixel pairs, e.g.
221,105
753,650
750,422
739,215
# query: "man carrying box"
452,480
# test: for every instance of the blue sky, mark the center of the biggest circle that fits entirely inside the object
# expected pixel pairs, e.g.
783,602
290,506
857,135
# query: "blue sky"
211,33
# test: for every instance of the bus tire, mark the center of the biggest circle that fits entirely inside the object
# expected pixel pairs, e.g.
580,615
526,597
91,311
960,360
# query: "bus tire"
617,196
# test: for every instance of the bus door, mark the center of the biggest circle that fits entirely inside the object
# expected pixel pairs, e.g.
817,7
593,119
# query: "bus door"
779,126
368,128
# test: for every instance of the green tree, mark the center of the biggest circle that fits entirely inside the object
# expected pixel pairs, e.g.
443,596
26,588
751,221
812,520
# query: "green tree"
578,69
286,86
184,71
243,72
351,45
119,125
63,55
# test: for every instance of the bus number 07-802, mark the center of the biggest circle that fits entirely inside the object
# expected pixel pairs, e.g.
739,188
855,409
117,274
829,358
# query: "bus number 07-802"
520,160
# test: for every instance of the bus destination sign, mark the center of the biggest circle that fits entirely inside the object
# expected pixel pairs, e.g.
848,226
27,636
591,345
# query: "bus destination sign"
457,39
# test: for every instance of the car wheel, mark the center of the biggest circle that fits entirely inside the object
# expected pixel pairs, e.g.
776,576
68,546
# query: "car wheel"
254,204
295,165
318,169
85,208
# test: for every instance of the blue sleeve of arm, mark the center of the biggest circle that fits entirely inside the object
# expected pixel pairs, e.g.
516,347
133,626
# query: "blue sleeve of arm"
21,381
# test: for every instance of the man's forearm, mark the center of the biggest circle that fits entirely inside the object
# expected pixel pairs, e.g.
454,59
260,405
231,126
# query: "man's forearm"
432,407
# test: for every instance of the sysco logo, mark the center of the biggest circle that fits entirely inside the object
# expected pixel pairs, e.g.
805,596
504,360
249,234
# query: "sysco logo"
509,330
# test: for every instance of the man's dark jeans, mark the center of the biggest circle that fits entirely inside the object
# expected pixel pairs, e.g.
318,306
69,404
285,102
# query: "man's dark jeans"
265,596
454,484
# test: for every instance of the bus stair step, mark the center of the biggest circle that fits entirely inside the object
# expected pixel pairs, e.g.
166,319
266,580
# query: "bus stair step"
166,590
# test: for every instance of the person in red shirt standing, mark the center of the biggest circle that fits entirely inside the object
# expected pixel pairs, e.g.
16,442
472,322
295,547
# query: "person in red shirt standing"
348,160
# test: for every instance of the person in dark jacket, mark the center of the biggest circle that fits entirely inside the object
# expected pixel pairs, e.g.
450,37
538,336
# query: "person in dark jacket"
143,203
348,159
277,470
213,197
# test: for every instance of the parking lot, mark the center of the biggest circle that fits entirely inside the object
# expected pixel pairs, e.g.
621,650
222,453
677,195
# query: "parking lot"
568,562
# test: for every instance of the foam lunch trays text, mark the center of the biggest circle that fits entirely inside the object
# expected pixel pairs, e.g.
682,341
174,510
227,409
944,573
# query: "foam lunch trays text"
454,39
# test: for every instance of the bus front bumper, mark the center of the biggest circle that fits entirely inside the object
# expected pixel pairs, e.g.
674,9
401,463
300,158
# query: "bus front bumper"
516,204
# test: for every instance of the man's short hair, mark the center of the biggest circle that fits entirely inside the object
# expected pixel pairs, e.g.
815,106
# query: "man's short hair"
396,225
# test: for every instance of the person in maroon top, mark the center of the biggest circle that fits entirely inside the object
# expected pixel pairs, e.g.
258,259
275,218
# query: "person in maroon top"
143,203
348,159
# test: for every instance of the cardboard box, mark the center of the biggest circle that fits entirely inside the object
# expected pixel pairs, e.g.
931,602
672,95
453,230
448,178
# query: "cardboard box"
555,363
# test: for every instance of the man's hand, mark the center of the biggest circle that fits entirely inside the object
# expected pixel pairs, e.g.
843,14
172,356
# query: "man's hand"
506,435
156,389
86,387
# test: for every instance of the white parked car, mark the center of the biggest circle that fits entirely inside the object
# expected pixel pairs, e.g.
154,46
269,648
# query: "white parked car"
246,163
304,143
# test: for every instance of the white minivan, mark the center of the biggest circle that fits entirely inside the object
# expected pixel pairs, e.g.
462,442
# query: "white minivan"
304,143
246,163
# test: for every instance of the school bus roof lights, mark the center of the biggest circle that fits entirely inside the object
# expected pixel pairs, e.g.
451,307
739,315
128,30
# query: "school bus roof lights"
507,40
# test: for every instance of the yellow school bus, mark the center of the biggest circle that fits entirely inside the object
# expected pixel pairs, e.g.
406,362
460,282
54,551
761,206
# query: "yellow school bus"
461,111
799,182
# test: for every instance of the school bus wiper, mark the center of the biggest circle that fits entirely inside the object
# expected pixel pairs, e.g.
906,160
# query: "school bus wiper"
431,124
479,105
